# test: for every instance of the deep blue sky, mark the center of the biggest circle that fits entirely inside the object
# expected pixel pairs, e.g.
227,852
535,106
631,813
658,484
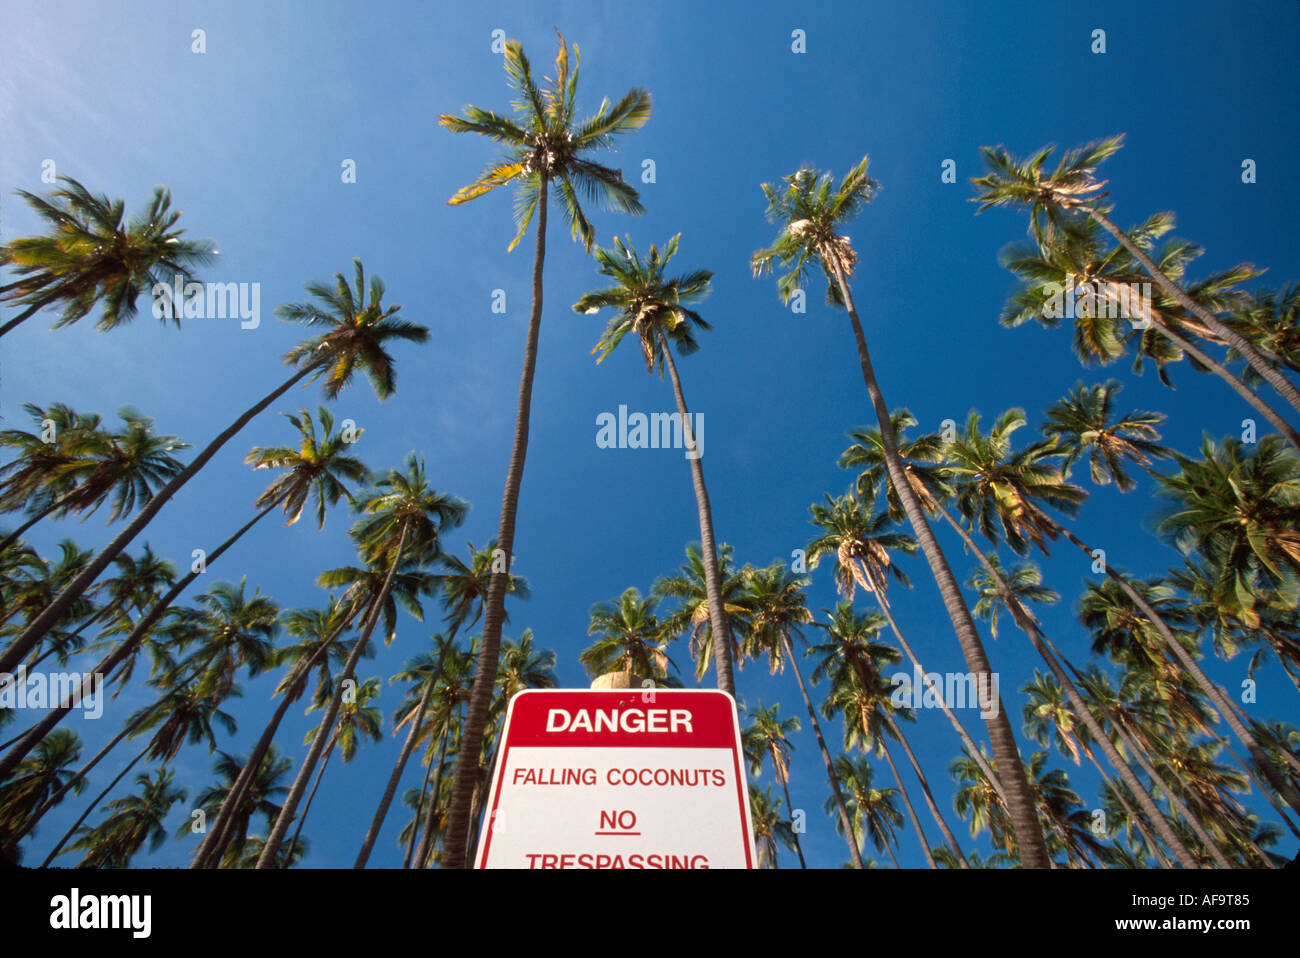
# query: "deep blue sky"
250,137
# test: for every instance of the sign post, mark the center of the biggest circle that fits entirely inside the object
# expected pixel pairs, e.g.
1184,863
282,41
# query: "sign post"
632,778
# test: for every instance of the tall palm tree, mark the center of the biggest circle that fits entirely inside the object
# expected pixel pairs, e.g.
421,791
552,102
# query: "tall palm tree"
874,814
128,464
91,256
354,336
767,739
657,311
689,586
630,639
39,472
402,518
1071,191
357,721
545,144
999,487
778,610
184,715
258,797
812,212
861,541
1240,511
319,647
1084,422
854,662
317,468
771,828
464,592
1104,281
39,777
133,821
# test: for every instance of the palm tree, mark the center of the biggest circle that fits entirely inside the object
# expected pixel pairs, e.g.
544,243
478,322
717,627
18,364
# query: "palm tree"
319,632
770,826
861,540
402,518
1105,281
357,721
855,662
1048,718
446,725
1241,513
630,640
424,672
315,468
874,814
767,738
354,337
258,797
39,777
464,591
1269,320
1072,191
38,473
778,609
236,631
1084,422
545,144
91,256
811,213
657,310
128,465
133,821
690,588
184,715
998,486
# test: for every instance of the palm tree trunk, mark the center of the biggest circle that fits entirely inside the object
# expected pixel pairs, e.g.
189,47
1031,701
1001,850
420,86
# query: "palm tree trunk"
427,839
466,776
91,807
890,851
1240,388
1133,816
407,748
1244,735
479,817
273,840
417,821
1175,803
329,753
1267,793
925,790
1247,349
708,547
798,849
82,581
1006,756
907,803
975,753
1038,641
125,648
845,821
213,846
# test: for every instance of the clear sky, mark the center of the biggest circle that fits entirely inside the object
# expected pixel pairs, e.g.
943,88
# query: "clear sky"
250,136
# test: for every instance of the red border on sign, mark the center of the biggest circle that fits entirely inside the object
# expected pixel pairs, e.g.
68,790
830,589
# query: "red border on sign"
713,711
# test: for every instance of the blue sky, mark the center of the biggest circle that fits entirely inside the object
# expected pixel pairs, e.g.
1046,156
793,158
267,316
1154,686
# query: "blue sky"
250,137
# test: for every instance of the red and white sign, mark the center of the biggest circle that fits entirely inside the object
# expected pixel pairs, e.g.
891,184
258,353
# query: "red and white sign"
624,778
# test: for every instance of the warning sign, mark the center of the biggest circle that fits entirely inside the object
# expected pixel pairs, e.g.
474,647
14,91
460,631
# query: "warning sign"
626,778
